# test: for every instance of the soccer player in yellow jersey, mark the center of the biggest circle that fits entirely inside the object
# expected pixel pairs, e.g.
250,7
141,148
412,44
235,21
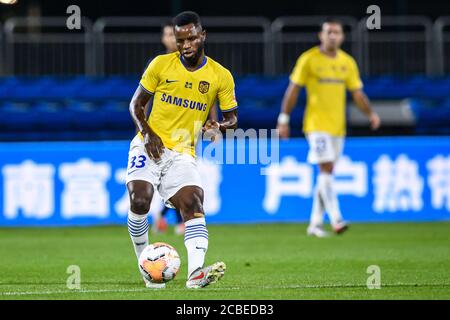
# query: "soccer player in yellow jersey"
184,85
326,72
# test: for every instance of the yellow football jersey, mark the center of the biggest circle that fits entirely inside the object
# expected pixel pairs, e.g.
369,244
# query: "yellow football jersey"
183,98
326,79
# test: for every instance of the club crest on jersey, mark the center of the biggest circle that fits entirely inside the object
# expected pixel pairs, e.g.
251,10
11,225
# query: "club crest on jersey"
203,87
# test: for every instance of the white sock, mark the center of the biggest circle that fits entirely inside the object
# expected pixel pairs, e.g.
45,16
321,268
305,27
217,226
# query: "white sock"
196,242
138,229
328,196
317,211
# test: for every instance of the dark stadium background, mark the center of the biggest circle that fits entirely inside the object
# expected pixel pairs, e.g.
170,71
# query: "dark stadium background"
94,9
65,131
386,61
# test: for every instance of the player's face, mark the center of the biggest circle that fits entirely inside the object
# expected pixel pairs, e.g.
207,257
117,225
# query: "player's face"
168,39
190,41
331,36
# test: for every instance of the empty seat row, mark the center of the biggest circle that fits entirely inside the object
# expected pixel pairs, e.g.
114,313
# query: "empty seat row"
250,87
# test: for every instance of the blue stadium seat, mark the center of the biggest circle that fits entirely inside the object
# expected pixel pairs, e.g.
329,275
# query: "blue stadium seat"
66,88
85,116
51,116
117,115
6,87
32,88
87,107
17,117
435,89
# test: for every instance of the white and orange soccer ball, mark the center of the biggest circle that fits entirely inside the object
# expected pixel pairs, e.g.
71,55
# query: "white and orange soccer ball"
8,1
159,262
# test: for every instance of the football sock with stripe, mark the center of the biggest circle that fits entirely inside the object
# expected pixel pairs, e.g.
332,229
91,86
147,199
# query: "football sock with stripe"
317,212
196,242
138,229
329,197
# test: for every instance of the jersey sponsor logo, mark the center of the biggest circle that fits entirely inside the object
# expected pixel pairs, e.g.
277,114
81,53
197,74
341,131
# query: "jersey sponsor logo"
203,87
185,103
330,80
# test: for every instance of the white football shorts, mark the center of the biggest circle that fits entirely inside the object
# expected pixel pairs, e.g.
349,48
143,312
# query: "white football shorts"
324,147
174,171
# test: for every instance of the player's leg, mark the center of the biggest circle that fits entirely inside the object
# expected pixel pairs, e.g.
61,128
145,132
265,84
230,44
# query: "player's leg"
318,152
142,176
181,186
327,151
315,227
337,222
189,200
327,193
139,180
140,193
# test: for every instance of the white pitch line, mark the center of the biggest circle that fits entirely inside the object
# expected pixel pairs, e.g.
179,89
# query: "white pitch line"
348,285
70,291
18,293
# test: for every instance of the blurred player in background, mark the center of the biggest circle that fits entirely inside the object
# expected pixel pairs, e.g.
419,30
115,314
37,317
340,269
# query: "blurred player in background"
168,37
326,72
184,85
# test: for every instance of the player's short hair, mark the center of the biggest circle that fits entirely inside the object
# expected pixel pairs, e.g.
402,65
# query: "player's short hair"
331,20
187,17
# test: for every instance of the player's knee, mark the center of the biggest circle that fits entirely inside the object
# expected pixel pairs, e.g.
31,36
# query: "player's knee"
192,206
326,167
140,203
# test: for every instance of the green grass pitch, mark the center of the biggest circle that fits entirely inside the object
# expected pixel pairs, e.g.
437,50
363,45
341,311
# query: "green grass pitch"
273,261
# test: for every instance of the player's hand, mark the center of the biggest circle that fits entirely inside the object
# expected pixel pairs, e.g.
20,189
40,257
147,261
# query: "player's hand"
212,130
283,131
154,146
211,124
374,120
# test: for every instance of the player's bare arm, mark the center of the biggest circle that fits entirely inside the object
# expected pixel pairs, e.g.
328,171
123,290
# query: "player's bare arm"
153,143
363,103
213,114
147,108
229,122
214,128
287,105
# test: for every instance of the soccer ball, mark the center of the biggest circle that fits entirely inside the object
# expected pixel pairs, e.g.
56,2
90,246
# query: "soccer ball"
159,262
8,1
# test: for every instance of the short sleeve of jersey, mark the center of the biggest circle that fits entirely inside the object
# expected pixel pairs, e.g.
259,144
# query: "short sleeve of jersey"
353,81
150,78
300,73
226,94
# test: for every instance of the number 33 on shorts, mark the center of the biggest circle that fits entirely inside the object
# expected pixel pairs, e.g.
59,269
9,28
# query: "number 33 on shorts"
137,162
